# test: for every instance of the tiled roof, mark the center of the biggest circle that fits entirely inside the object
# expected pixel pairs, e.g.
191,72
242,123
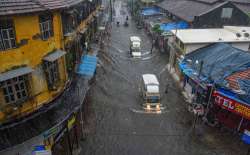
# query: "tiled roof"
188,9
185,9
244,7
240,1
233,79
207,1
9,7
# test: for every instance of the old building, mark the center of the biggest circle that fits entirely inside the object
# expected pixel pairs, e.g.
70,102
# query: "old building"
32,59
206,14
41,43
221,83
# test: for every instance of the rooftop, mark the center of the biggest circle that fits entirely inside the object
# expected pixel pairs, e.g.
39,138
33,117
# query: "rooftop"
11,7
224,65
226,34
182,8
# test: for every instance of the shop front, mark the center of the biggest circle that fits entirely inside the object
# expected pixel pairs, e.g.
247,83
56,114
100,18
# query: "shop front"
231,111
63,139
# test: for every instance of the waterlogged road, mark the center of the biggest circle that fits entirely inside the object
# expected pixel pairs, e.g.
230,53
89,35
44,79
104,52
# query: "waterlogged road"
118,126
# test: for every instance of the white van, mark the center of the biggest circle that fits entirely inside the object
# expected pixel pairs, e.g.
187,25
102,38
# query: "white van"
135,46
150,88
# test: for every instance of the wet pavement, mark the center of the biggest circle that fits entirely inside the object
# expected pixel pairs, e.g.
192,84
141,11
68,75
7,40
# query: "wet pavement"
119,126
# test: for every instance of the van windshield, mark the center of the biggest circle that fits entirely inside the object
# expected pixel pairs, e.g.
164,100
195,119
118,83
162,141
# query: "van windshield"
153,99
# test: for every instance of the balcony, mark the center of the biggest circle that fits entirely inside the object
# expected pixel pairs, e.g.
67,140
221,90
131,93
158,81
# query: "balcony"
176,47
76,19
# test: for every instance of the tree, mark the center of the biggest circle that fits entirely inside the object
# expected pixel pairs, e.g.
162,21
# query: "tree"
157,29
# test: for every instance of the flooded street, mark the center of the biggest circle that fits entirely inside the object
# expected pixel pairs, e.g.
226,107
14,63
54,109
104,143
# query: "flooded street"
119,125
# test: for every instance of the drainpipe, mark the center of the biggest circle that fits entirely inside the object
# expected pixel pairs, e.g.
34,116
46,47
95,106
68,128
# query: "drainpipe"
241,121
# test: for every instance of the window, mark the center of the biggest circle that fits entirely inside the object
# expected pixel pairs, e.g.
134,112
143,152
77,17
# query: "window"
15,90
226,12
7,35
46,26
52,73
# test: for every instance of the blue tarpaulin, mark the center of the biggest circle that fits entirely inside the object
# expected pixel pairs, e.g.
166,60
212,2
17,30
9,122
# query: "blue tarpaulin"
219,61
87,66
150,11
173,26
246,138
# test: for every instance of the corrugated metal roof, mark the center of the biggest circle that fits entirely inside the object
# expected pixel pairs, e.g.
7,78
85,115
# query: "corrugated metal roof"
233,79
10,7
15,73
54,56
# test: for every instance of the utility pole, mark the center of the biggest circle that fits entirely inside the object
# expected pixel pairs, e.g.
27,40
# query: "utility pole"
111,10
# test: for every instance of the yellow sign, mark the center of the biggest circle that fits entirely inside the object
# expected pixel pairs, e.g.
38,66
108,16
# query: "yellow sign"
71,122
245,111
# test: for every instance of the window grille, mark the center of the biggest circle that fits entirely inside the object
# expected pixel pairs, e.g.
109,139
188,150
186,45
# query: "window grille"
46,26
52,73
7,35
15,90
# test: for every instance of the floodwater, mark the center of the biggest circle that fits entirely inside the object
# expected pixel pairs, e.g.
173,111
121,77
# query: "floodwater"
118,125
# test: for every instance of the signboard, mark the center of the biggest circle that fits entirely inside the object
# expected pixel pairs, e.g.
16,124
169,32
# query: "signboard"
246,137
232,105
71,122
44,152
41,150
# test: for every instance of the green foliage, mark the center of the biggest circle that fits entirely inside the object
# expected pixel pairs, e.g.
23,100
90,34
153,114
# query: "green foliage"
157,29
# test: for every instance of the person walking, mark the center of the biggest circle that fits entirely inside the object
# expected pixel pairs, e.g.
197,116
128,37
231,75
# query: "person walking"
153,42
86,45
166,88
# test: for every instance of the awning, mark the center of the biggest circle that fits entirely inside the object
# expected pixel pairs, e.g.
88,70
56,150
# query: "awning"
15,73
88,65
54,56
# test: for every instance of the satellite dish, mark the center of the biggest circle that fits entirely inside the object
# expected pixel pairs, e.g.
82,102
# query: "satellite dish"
238,35
246,34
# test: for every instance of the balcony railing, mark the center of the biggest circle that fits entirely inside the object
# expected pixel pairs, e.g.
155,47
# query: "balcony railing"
172,44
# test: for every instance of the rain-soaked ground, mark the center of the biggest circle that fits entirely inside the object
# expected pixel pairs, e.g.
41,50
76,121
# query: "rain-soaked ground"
118,125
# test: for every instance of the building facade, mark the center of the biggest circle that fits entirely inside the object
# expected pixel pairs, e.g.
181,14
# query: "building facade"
33,68
220,84
40,47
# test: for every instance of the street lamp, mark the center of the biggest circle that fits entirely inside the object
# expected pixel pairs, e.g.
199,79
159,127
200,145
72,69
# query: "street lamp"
111,10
